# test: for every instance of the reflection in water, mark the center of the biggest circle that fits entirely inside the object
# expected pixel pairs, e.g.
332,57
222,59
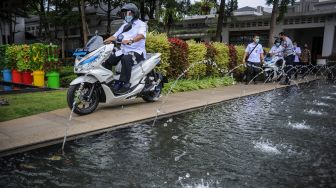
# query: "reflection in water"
282,138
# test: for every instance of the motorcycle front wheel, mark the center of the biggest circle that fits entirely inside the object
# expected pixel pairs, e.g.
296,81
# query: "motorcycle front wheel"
154,95
83,100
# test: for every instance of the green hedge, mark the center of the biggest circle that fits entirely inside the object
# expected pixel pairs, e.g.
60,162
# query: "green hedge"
158,43
221,58
196,59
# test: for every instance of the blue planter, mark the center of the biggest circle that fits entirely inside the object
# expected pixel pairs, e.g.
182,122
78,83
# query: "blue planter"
7,75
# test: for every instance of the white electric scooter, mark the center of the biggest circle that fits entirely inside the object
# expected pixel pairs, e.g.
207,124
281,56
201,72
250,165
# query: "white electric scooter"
95,82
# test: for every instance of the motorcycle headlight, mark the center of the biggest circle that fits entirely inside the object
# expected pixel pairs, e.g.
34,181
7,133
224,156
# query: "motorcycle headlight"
91,60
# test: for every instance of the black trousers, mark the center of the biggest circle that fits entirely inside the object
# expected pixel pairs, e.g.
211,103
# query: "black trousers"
252,70
126,64
289,68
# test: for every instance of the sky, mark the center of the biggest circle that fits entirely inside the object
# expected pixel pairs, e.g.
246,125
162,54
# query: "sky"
251,3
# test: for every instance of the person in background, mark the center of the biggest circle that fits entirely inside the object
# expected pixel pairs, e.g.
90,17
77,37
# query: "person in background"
305,60
277,49
297,63
289,55
253,58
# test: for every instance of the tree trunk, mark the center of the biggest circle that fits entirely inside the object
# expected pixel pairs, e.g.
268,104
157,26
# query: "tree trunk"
157,10
273,22
81,36
152,8
220,21
109,10
85,33
41,14
11,37
142,9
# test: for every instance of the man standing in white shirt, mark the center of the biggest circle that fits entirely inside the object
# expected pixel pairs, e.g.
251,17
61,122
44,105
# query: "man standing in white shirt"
133,46
253,58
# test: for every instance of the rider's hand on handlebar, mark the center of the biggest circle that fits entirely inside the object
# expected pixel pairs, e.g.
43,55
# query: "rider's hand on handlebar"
108,41
127,42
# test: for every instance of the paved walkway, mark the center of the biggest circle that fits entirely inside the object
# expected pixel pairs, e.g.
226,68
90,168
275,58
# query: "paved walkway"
49,128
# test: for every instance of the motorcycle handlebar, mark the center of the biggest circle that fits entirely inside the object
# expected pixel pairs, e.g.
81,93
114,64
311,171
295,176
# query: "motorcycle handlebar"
115,42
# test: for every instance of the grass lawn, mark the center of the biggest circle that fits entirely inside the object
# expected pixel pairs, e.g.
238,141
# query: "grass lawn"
26,104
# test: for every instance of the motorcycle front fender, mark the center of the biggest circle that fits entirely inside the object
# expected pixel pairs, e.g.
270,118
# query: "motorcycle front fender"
81,79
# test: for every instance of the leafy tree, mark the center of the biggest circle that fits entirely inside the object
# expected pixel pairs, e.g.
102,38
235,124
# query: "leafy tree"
231,6
278,11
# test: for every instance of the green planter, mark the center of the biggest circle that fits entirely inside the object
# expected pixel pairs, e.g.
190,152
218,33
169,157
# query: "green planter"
53,80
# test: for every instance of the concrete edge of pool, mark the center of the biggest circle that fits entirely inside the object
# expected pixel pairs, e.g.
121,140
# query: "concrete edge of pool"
48,128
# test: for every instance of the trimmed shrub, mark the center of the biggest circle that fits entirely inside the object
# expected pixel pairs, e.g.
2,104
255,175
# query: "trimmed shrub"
240,55
66,75
178,61
222,58
196,57
158,43
210,56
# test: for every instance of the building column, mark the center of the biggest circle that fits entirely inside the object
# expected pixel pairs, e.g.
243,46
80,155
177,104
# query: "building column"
328,39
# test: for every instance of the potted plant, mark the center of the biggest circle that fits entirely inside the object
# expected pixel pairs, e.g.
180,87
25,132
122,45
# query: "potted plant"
52,66
24,64
4,66
38,57
11,60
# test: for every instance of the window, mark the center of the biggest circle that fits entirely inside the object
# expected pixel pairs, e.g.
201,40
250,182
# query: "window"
232,25
309,20
290,21
303,20
254,24
316,19
297,20
322,19
260,24
266,23
248,24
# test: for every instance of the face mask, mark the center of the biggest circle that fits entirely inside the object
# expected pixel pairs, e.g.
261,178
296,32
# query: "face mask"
257,40
128,19
277,44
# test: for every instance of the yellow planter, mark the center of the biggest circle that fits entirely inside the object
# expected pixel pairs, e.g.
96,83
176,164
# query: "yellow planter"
38,77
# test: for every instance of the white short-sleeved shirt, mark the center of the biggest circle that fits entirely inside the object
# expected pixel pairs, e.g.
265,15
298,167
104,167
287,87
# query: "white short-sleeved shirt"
255,55
297,50
138,27
277,51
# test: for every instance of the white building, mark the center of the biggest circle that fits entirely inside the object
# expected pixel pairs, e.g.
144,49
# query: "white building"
308,21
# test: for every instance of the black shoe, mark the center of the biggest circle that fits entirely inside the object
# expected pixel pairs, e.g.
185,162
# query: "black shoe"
124,89
116,86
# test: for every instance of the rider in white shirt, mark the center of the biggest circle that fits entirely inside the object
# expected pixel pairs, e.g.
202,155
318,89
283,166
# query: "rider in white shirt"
133,46
277,49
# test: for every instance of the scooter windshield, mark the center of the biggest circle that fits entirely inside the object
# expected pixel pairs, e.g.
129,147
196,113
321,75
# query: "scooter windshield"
94,43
